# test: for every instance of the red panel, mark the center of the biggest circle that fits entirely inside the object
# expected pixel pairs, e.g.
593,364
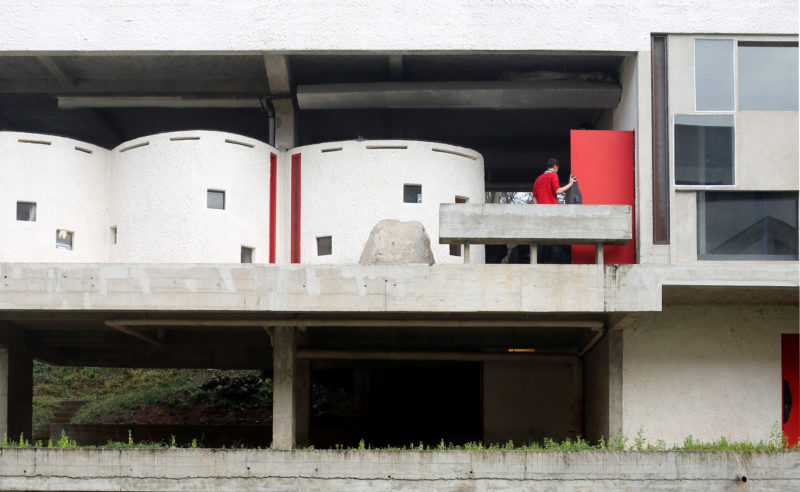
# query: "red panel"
273,189
790,364
602,160
295,209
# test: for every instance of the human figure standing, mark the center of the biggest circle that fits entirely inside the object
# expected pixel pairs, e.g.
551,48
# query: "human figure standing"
545,191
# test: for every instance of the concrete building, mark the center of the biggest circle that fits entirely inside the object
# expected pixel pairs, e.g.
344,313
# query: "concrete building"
149,149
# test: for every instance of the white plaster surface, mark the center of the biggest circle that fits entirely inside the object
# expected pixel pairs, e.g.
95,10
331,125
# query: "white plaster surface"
346,193
157,199
69,189
708,371
300,25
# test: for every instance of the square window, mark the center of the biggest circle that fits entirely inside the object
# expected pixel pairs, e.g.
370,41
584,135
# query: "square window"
704,149
216,199
324,245
747,225
26,211
768,77
455,250
412,193
64,239
247,254
713,74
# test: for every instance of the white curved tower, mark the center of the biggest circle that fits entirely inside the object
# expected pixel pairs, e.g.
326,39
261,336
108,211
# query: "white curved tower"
347,187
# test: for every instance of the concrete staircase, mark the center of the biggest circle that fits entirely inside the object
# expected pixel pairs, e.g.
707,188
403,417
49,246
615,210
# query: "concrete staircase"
62,415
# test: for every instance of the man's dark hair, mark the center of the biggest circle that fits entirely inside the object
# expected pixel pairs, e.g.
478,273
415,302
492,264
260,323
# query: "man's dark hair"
552,162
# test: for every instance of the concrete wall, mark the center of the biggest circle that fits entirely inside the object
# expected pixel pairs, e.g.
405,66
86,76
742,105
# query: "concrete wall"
442,471
529,401
346,192
708,371
69,189
613,25
157,198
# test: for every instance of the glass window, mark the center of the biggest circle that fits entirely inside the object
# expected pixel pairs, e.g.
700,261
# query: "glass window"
324,245
63,239
412,193
753,225
768,77
704,149
247,254
713,73
26,211
216,199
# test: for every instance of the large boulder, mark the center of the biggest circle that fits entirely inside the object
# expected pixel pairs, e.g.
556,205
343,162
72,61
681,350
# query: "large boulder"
392,241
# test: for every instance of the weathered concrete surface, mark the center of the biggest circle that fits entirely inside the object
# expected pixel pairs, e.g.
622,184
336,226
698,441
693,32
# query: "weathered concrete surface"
236,470
373,288
494,223
394,241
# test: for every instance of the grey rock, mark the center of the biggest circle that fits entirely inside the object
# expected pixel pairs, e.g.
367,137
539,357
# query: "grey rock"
393,241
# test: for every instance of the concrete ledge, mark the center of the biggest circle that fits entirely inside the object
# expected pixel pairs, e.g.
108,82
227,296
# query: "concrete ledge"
370,288
493,223
235,470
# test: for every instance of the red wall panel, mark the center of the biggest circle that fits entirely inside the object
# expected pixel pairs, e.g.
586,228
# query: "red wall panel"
790,386
602,160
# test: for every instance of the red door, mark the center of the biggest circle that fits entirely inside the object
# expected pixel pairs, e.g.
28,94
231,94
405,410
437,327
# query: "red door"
602,160
790,384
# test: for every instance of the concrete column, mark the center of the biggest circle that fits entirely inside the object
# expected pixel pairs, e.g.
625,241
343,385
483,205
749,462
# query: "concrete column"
285,127
614,382
290,391
16,386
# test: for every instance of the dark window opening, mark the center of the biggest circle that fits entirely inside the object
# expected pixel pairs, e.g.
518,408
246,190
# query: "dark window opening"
324,245
216,199
247,254
412,193
26,211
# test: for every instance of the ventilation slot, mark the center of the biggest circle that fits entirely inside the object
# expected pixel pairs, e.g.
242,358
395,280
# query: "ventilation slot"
178,139
40,142
236,142
384,147
82,149
134,146
460,154
334,149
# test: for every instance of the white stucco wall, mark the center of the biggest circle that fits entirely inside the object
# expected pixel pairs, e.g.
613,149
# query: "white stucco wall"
69,189
346,193
157,199
708,371
300,25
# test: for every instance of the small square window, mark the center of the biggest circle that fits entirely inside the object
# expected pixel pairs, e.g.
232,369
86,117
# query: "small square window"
324,245
704,149
113,235
64,239
26,211
455,250
412,193
216,199
767,77
247,254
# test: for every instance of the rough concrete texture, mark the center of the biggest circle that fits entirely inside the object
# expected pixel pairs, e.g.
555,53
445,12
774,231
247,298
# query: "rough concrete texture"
613,25
354,471
374,288
392,241
708,371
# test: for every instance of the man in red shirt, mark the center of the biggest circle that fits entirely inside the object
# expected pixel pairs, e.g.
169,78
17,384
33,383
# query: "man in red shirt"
545,188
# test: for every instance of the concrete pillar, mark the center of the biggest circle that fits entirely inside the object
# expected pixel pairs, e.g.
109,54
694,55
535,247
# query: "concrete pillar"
290,391
16,385
614,382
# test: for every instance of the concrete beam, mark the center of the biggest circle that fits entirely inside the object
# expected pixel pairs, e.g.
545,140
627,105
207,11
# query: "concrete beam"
385,290
471,95
523,224
128,87
56,71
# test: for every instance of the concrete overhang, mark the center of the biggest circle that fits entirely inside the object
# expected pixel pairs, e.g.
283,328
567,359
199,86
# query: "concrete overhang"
373,290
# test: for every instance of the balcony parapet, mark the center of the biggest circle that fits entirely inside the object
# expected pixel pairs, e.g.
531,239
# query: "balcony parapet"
465,223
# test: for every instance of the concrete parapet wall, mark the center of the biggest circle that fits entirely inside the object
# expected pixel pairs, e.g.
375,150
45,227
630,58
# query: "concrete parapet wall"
234,470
